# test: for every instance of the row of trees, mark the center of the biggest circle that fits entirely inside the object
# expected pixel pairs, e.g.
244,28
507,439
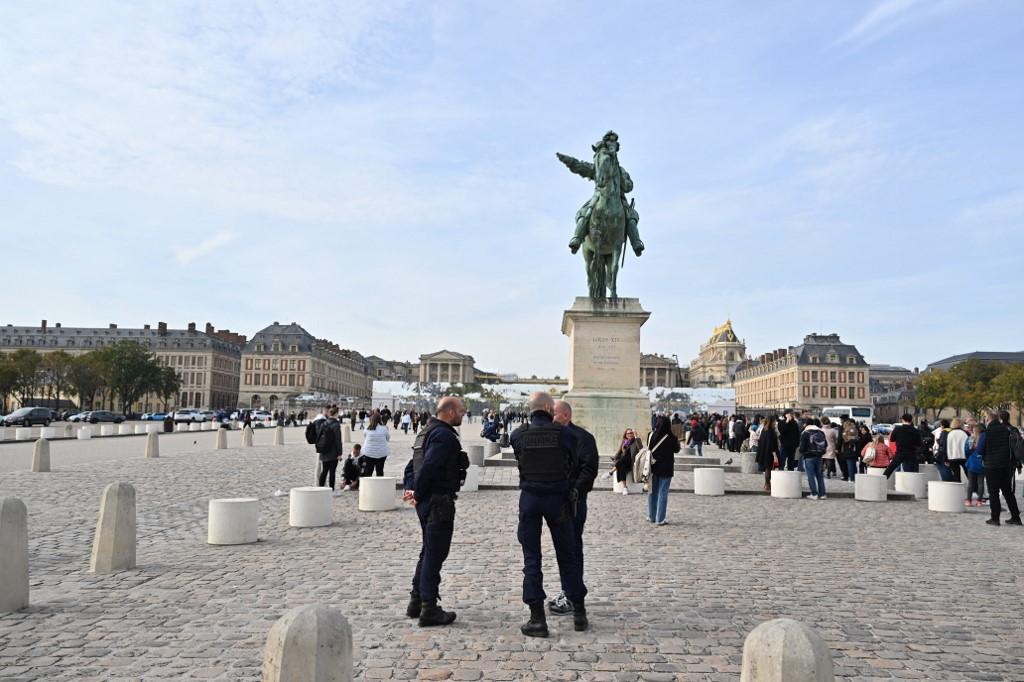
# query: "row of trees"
973,386
119,374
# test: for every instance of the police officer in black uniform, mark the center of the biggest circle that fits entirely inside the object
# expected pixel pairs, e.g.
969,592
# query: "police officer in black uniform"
546,453
432,481
582,480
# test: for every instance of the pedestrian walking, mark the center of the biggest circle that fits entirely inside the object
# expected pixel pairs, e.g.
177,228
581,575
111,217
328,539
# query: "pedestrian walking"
663,447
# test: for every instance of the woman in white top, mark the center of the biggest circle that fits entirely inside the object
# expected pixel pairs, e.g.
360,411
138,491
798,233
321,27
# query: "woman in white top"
375,446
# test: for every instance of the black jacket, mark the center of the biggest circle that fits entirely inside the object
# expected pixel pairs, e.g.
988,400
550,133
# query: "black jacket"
334,452
767,447
907,440
789,435
663,457
566,442
995,452
585,471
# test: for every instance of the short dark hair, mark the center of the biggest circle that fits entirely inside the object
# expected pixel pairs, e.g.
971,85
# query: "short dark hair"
909,418
1004,416
945,423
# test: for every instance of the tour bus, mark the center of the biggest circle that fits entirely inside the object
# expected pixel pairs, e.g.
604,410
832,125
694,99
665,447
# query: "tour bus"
859,413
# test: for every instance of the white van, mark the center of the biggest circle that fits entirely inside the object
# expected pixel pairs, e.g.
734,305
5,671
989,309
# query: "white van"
859,413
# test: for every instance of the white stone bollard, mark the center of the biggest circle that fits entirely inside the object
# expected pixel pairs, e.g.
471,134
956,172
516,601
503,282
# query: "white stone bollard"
748,463
204,426
152,428
247,437
152,445
233,521
13,555
476,454
689,452
107,430
126,429
946,496
222,440
41,456
23,433
709,481
3,433
377,493
178,428
279,435
870,488
140,429
346,433
309,644
472,483
113,548
880,471
48,432
909,482
786,484
629,484
491,449
931,471
85,433
195,426
69,431
310,507
784,650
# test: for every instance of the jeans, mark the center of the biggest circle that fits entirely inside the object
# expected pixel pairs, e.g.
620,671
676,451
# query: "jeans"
657,499
815,475
1001,481
534,510
851,467
437,541
327,471
944,472
699,447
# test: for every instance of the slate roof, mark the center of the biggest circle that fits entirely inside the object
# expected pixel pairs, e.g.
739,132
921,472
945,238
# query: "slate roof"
91,338
984,355
288,334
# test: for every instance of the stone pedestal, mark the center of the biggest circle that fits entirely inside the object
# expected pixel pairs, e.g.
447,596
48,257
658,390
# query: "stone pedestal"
879,471
947,497
787,484
41,456
23,433
3,433
247,437
13,555
346,433
85,433
491,449
48,432
309,644
748,463
476,454
709,481
278,435
152,445
153,428
472,483
785,650
113,548
907,482
631,485
69,431
140,428
195,426
222,440
870,488
310,507
377,493
233,521
604,369
125,429
108,430
178,428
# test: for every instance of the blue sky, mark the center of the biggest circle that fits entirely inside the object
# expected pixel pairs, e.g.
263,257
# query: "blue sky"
384,173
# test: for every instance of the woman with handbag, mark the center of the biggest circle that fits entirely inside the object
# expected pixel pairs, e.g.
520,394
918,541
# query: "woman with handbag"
768,450
623,459
876,455
975,466
663,447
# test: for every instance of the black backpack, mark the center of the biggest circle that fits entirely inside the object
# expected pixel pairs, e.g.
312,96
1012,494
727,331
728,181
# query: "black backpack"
313,431
1016,446
817,444
325,437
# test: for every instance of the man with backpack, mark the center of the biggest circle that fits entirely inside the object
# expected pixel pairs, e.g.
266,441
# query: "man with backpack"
906,440
848,450
813,445
328,446
1002,451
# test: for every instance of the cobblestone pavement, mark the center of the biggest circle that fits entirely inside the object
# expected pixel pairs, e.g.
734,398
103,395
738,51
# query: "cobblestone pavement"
896,591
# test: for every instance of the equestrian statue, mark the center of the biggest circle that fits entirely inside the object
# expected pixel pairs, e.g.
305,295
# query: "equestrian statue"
607,219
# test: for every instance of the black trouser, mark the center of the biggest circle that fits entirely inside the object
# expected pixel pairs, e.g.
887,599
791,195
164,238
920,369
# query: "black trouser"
1001,481
373,464
955,465
437,523
534,510
909,463
578,523
327,469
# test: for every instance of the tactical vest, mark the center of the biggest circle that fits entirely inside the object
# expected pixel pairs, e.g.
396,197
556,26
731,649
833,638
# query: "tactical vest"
452,471
541,458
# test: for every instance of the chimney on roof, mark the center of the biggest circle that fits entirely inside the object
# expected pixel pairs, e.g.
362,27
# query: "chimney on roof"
43,326
57,325
161,328
145,326
276,323
113,326
209,329
192,327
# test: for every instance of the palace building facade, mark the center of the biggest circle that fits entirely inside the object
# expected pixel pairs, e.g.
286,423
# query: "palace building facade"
719,357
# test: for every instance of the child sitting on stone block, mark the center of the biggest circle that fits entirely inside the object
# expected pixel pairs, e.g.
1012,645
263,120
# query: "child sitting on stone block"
352,468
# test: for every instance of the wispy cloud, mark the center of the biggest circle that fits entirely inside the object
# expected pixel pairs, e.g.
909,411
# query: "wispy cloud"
890,15
187,254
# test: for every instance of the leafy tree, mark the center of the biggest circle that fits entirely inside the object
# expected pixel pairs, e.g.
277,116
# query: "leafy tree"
168,386
132,371
1008,387
934,390
26,364
972,382
85,378
8,381
56,367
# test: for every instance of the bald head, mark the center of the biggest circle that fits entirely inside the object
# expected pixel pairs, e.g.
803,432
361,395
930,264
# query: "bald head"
541,400
450,410
563,412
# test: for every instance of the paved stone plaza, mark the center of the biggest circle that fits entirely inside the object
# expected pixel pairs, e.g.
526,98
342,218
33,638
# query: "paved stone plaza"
896,591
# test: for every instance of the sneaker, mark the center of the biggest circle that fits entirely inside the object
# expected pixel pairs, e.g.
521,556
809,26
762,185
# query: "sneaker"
560,606
1015,522
823,497
968,503
992,522
662,523
812,497
650,520
335,493
625,491
347,488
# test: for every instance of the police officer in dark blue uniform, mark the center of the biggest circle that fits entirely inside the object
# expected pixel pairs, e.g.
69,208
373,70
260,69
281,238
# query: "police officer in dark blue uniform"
546,453
582,480
432,481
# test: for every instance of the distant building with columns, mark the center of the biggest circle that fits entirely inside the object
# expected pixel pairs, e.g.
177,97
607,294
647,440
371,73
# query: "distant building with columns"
446,366
659,370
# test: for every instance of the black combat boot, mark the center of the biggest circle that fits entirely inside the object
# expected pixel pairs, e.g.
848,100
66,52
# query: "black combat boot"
432,614
415,604
579,616
537,626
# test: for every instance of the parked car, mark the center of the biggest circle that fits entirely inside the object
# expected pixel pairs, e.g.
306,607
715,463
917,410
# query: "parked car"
29,416
261,416
153,416
186,416
206,415
80,417
97,416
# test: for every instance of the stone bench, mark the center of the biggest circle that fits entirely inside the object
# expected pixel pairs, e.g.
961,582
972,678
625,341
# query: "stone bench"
630,484
140,428
909,482
233,521
310,507
178,428
491,449
107,430
377,493
85,433
786,484
709,481
946,496
154,428
879,471
870,488
48,432
23,433
475,454
195,426
125,429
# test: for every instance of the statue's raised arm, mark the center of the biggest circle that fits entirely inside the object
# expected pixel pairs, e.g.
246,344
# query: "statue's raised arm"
581,168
